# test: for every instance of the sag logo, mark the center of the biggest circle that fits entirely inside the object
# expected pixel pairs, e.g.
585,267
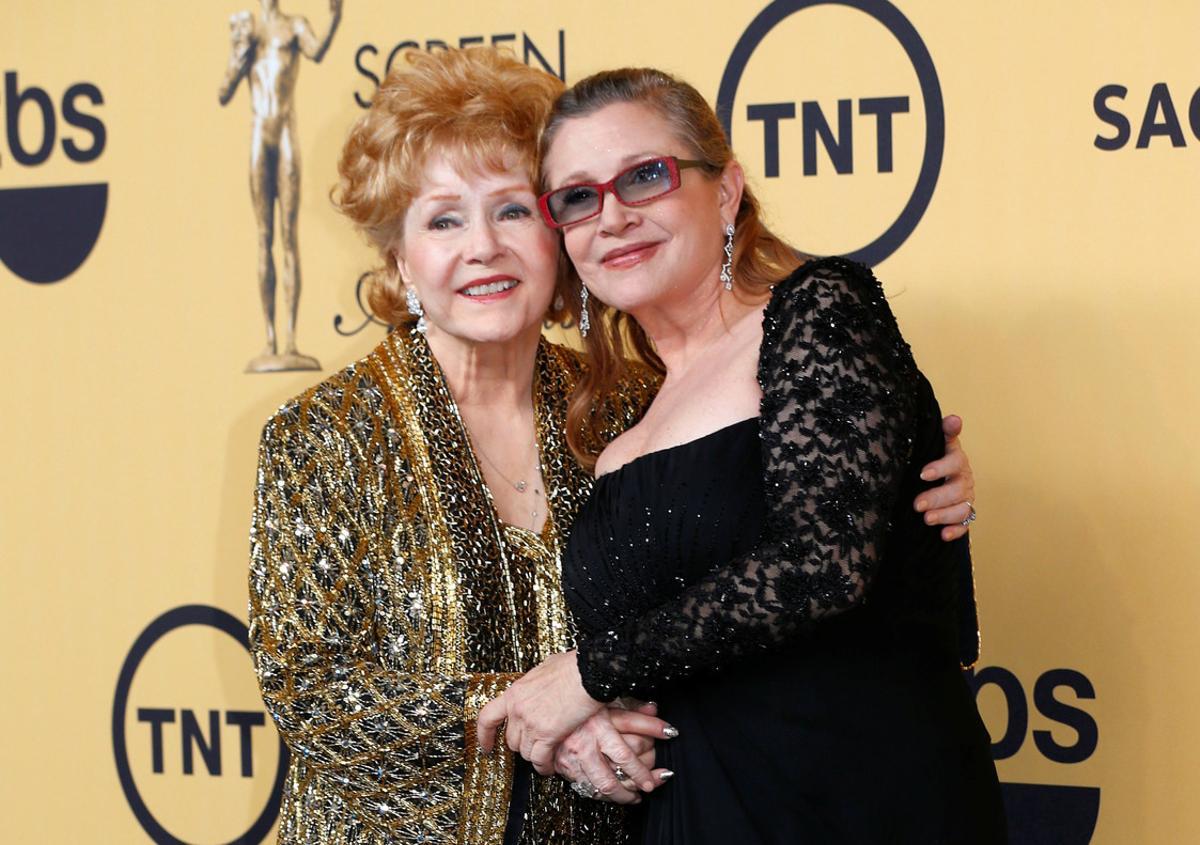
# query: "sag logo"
1160,118
47,232
194,750
847,148
1063,815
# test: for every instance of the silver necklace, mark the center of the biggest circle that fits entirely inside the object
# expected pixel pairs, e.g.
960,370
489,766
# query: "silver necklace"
520,485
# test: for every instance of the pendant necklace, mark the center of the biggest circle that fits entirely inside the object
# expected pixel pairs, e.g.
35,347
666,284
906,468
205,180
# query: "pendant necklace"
520,485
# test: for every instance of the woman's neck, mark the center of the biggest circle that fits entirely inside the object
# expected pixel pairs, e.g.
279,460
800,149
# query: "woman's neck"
495,375
684,329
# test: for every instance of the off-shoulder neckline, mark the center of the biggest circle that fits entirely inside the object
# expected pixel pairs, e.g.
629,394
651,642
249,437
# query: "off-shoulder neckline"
685,444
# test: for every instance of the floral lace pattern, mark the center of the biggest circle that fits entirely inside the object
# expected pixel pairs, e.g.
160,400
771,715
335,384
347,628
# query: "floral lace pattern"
840,399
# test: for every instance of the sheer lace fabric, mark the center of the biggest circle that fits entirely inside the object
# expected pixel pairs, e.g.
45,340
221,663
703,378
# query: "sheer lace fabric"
840,391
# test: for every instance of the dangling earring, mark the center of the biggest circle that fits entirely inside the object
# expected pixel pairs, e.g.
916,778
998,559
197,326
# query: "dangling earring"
584,322
727,267
414,308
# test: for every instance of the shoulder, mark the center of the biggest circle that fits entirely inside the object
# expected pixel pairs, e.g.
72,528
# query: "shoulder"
346,406
835,308
570,362
828,296
823,280
637,380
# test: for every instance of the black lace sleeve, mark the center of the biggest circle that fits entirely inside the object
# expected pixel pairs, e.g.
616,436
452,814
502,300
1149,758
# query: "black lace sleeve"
837,415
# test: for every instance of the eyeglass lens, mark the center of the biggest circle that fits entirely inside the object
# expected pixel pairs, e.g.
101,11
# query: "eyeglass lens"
638,184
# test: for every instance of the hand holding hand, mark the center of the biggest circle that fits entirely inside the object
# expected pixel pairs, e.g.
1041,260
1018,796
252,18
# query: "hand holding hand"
541,709
613,751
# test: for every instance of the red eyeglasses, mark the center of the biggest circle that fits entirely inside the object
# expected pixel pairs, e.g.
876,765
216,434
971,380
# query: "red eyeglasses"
640,184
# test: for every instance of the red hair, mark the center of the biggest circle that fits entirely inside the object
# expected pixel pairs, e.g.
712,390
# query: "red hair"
480,107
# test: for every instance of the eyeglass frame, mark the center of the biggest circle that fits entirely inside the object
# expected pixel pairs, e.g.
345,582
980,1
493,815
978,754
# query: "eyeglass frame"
674,166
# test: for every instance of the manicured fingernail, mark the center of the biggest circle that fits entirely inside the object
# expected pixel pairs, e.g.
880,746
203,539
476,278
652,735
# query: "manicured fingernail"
929,519
652,703
922,505
666,776
926,475
670,732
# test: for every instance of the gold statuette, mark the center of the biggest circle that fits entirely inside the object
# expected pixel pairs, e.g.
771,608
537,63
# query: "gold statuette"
266,52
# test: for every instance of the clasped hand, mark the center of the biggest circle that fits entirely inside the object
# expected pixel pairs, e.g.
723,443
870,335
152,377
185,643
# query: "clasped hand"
554,724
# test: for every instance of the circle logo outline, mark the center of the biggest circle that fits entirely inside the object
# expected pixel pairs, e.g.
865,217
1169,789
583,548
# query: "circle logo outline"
931,92
179,617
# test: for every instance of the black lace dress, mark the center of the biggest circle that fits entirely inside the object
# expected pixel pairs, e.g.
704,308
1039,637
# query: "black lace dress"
771,587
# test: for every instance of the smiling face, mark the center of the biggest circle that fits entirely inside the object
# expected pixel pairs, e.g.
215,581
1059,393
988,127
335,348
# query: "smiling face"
481,260
646,255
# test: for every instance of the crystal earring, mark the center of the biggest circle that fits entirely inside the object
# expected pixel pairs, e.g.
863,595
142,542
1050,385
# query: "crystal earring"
727,267
414,308
584,322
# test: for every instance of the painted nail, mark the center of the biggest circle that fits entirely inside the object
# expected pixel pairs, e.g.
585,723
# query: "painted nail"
670,732
666,776
922,506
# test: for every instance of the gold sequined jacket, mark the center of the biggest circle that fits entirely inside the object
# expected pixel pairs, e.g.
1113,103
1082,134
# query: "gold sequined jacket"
388,603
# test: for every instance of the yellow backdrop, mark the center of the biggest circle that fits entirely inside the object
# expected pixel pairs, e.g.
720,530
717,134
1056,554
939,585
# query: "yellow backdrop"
1026,175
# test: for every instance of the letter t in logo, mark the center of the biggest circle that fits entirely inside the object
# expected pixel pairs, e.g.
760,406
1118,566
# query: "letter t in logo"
770,114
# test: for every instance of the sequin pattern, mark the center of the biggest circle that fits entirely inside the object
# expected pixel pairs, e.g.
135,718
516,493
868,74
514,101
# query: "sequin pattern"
836,421
388,603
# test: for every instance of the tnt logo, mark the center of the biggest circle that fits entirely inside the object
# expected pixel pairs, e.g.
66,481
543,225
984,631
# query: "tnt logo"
837,116
197,757
48,231
1066,733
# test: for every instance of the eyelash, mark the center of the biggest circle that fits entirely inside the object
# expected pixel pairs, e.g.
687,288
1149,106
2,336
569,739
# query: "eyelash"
517,208
510,212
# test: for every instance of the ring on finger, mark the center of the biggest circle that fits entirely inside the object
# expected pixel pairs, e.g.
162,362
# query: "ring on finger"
971,516
585,788
623,778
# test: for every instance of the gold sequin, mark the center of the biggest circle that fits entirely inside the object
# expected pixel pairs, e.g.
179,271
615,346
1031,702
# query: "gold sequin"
388,603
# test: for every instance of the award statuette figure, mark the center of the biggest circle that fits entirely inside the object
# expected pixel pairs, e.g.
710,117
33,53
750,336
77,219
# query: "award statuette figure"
267,53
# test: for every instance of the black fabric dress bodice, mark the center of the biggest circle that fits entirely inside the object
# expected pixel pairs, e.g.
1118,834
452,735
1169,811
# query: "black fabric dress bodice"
769,585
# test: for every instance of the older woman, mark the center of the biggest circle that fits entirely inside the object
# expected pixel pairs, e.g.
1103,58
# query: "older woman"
405,547
411,509
748,557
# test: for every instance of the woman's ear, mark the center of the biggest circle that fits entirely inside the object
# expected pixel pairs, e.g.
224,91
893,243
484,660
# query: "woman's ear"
401,266
729,189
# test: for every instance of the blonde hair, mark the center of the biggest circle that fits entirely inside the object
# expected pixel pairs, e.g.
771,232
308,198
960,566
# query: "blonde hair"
480,107
760,258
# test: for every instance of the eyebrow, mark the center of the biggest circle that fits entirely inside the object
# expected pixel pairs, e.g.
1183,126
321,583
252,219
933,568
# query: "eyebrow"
507,189
513,188
626,162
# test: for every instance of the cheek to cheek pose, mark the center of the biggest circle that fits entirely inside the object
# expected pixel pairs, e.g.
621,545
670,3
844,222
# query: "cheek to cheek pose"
760,554
411,510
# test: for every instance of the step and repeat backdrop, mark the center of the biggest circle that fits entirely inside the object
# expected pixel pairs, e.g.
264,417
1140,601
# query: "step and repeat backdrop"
1024,176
